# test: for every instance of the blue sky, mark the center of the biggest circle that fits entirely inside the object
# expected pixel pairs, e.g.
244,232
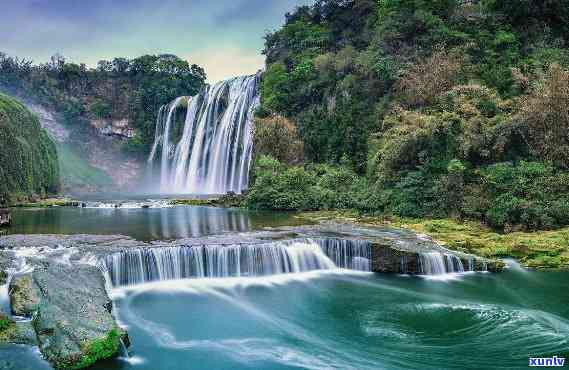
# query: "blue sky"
223,36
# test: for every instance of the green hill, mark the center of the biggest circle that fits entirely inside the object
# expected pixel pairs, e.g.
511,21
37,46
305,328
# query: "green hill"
28,159
415,108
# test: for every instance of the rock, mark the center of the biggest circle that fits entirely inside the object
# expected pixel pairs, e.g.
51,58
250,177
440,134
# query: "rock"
3,277
23,298
388,258
385,258
73,325
5,217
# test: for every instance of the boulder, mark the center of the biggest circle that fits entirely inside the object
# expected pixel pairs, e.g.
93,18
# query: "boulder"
71,315
24,300
5,217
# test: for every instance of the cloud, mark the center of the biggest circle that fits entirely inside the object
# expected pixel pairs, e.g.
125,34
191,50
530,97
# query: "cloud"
226,62
225,37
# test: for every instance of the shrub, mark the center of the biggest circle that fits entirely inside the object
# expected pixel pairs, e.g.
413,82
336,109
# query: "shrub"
277,137
429,78
544,117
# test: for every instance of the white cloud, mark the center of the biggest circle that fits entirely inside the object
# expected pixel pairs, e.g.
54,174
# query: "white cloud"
223,62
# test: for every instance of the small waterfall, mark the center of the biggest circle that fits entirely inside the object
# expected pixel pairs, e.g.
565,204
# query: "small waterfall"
438,263
213,154
123,351
214,261
5,298
349,254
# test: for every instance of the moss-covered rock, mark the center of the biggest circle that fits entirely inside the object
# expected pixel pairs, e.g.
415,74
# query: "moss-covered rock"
24,300
7,328
71,313
28,158
93,351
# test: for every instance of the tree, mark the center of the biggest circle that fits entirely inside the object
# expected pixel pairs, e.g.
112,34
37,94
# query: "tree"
544,117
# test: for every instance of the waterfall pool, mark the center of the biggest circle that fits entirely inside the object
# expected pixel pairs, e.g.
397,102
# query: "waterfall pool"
333,319
345,320
144,224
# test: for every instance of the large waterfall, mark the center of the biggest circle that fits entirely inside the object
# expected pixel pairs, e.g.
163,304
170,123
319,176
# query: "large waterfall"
213,153
137,266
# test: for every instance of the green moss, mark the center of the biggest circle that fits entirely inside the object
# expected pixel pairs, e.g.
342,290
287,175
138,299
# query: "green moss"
93,351
227,201
537,249
7,329
49,202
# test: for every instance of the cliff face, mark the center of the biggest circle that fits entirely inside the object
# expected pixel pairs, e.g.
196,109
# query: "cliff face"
91,154
28,159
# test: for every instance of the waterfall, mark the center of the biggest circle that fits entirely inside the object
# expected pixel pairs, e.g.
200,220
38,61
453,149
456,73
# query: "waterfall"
137,266
5,297
438,263
213,154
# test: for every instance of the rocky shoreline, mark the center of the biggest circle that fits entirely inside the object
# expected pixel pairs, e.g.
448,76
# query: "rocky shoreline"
60,299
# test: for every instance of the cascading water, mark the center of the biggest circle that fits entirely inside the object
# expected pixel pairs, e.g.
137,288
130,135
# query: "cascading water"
438,263
207,261
213,154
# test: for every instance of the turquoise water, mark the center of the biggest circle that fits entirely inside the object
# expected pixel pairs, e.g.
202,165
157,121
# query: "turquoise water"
312,320
346,321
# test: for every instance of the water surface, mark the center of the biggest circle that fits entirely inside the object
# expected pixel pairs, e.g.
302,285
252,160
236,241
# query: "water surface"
145,223
323,320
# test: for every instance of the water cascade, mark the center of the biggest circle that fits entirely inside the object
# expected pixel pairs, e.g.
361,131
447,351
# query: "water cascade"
137,266
438,263
213,154
4,297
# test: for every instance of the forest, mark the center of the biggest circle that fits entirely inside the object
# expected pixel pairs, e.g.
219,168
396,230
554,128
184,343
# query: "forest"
416,108
132,89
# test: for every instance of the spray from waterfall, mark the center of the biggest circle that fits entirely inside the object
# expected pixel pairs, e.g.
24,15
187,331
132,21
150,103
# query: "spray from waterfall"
213,154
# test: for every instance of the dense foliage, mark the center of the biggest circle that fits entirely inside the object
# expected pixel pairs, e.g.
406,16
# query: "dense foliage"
118,89
423,109
28,159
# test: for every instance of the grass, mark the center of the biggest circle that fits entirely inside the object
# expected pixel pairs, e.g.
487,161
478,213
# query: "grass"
538,249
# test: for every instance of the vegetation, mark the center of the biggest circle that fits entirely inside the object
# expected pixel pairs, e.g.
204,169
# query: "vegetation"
542,249
28,159
7,328
422,109
95,350
536,249
118,89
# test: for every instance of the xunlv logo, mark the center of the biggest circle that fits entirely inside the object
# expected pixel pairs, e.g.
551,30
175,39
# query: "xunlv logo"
547,361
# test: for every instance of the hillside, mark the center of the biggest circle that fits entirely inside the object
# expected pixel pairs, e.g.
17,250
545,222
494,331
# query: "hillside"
102,119
418,108
28,159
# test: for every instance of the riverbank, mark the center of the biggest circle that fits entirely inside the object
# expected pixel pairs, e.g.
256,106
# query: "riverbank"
537,249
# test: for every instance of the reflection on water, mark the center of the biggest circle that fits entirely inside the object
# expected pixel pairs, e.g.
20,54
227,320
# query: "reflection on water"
144,223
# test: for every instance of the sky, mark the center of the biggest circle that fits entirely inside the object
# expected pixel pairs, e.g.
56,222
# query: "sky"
225,37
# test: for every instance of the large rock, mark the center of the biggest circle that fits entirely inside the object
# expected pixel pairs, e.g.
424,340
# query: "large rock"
5,217
388,258
24,299
72,318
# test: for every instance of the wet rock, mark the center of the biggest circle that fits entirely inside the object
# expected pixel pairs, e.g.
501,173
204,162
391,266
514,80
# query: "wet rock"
387,259
24,300
71,320
5,217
